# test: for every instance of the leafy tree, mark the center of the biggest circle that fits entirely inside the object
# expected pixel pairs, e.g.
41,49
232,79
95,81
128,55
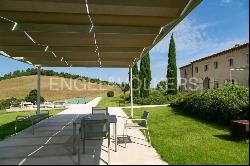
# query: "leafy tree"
5,104
124,87
145,76
135,81
32,97
172,68
162,87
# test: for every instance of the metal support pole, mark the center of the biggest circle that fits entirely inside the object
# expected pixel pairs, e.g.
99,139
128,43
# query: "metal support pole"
38,89
131,92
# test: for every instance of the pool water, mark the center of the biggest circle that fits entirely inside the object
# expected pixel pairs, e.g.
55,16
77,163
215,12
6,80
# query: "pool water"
76,100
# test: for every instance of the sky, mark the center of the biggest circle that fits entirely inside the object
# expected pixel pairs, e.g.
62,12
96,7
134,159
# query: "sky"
215,25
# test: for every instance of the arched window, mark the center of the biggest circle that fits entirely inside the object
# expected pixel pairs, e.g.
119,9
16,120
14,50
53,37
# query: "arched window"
206,83
231,62
233,82
206,68
216,65
216,84
196,69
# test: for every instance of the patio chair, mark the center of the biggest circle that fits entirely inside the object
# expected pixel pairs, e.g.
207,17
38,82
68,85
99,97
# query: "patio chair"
142,125
99,110
94,130
33,119
122,102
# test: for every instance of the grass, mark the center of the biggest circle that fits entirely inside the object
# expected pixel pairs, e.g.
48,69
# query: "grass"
53,88
180,139
7,121
110,102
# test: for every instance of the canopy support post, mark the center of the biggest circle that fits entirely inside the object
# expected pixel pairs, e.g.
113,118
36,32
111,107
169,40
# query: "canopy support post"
38,89
131,92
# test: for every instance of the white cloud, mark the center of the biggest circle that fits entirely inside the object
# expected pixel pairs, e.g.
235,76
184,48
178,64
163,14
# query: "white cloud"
192,42
190,37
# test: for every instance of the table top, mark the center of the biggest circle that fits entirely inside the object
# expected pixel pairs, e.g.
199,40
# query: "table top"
110,118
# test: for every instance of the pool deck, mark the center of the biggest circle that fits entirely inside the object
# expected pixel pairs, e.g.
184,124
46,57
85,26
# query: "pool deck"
52,143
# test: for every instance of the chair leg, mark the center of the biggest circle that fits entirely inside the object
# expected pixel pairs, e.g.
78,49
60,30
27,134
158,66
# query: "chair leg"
81,134
78,150
109,149
114,131
127,137
83,144
149,137
48,120
33,128
144,134
124,134
15,127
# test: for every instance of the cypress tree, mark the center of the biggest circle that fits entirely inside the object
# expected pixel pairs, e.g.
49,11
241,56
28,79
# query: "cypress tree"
172,68
145,76
136,81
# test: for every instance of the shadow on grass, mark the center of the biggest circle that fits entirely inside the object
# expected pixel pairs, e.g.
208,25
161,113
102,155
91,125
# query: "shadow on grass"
8,129
228,137
207,122
225,137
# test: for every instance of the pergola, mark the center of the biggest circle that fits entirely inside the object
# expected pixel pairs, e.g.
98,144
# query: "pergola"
86,33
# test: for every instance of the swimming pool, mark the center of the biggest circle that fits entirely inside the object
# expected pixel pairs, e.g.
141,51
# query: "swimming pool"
76,100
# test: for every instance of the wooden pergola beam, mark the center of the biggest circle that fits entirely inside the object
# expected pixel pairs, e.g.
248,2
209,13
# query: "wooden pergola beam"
155,3
81,63
34,48
112,7
78,59
82,19
64,28
125,30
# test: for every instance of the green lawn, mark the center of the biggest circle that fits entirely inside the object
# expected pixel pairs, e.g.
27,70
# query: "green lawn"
7,121
110,102
180,139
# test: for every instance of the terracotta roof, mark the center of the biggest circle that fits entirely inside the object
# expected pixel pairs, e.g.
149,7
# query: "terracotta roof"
220,53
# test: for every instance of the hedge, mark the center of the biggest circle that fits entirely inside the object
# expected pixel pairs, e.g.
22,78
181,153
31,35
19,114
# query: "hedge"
5,104
110,94
151,101
218,105
155,98
158,98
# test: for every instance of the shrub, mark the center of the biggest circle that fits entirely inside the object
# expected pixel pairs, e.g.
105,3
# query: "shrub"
5,104
158,98
218,105
125,97
162,87
155,98
151,101
110,93
32,97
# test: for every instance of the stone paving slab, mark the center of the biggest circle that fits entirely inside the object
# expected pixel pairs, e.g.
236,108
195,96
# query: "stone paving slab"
52,143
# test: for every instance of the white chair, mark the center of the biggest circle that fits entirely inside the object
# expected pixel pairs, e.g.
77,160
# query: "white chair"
142,125
100,111
94,129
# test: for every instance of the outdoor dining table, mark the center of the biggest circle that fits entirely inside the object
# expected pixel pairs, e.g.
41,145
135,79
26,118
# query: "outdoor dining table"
112,119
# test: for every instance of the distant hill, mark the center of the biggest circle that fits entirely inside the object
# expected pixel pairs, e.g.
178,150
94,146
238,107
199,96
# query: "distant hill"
33,71
54,87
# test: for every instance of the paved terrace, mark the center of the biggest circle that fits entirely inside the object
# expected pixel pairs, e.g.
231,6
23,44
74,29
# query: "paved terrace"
52,143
